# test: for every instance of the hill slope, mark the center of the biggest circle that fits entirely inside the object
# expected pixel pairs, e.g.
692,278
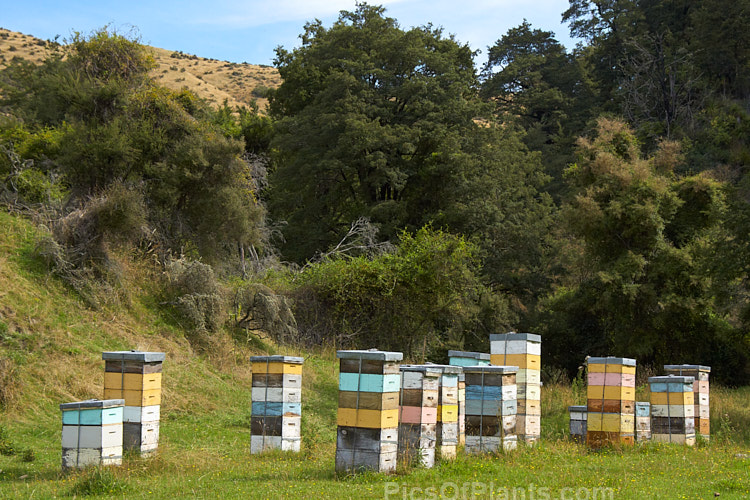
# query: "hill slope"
214,80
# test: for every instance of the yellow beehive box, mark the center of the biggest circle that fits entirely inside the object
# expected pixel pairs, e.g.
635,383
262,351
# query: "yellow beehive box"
611,368
132,381
522,361
672,398
447,413
611,392
275,368
149,397
371,419
610,422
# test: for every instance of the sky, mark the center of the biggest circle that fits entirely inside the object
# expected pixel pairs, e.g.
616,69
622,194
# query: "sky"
249,31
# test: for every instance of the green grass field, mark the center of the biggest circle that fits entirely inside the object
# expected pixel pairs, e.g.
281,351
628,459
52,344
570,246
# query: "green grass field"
50,353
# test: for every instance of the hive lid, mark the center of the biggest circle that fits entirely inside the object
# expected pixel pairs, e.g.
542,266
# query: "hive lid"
372,354
277,359
482,356
642,404
92,403
578,408
700,368
491,369
507,337
671,379
144,357
428,370
611,360
448,369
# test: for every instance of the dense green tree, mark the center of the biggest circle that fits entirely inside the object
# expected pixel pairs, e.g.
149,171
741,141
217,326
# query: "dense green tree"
500,204
648,238
659,62
721,43
371,123
534,82
605,25
381,122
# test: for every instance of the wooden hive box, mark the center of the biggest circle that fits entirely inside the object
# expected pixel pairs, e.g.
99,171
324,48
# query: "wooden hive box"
611,401
467,358
701,391
577,426
136,377
369,389
276,395
490,422
92,433
523,350
462,409
417,431
672,409
642,421
507,344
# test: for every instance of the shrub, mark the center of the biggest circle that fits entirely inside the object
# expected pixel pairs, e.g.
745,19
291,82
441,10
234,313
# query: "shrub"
260,308
79,247
260,91
423,298
36,187
196,294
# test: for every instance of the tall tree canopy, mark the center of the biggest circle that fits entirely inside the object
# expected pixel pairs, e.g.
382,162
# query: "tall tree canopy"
382,122
534,82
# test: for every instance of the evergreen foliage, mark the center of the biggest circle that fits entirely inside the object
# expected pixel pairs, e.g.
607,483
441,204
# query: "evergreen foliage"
648,238
94,119
599,196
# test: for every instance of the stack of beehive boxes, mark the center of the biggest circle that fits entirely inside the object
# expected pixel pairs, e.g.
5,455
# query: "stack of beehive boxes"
464,358
700,394
642,421
490,408
578,415
447,416
462,408
135,376
276,403
672,410
92,433
611,401
369,387
418,410
523,350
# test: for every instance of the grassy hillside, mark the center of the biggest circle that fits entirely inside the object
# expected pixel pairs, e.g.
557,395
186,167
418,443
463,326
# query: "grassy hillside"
50,352
211,79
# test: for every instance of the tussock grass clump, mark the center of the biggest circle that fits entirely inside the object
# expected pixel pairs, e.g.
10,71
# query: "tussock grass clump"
9,381
98,481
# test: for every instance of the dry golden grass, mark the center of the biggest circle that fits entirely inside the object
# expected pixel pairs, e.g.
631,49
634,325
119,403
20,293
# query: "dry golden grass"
51,343
211,79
